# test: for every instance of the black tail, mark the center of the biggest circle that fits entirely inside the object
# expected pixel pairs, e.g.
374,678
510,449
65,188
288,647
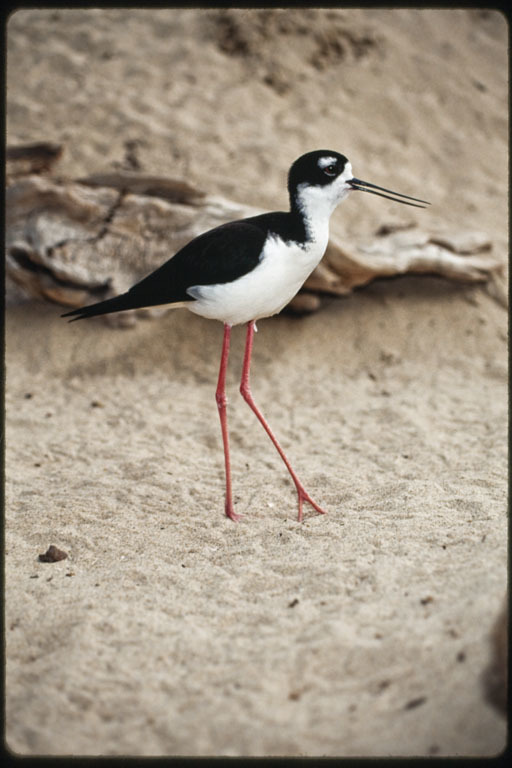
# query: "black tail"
115,304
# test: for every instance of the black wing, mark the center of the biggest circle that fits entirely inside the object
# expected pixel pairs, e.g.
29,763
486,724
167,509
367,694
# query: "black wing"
219,256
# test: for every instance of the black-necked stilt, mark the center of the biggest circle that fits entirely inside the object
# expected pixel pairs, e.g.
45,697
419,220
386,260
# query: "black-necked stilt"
245,270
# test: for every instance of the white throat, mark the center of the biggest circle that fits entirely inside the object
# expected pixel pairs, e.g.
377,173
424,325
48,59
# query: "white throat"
317,203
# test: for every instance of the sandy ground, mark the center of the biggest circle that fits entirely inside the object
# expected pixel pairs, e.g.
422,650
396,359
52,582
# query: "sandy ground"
170,630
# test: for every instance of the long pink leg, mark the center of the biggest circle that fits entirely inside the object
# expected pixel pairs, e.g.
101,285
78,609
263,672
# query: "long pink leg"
245,390
220,396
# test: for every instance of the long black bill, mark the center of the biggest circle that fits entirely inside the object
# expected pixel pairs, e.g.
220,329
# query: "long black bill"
365,186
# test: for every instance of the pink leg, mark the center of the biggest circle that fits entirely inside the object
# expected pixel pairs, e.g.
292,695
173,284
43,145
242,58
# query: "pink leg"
220,396
245,390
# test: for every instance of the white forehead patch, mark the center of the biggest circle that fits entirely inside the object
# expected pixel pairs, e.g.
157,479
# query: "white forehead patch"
325,161
347,172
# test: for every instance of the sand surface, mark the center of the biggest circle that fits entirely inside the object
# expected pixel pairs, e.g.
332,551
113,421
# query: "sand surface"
170,630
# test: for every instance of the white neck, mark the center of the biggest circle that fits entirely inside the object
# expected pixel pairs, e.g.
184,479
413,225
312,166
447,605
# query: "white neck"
317,203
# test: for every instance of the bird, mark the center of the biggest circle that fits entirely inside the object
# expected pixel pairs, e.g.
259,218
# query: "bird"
249,269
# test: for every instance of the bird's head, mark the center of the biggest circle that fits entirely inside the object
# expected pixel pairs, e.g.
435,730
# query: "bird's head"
318,181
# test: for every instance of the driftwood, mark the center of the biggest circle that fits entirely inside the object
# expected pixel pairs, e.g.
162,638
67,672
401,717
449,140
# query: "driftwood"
32,158
75,242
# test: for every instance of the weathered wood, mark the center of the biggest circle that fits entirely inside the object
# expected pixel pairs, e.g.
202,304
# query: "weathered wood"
74,242
139,184
32,158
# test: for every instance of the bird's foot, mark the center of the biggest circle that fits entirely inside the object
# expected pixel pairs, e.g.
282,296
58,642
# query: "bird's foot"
230,512
304,496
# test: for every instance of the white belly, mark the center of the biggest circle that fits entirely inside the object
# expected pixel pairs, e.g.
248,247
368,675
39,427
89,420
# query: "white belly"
265,290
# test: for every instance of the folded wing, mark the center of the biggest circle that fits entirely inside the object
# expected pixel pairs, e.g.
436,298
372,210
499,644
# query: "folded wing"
219,256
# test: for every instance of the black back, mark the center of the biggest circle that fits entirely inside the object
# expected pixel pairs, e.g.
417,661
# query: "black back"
221,255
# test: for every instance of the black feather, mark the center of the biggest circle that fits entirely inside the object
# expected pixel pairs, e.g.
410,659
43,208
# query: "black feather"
115,304
220,255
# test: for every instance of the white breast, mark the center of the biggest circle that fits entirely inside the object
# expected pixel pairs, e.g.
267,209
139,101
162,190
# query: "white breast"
265,290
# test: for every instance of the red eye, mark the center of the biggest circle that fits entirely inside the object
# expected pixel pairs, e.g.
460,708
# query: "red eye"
330,170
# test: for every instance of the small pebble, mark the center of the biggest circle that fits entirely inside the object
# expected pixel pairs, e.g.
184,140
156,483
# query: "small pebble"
52,555
413,703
